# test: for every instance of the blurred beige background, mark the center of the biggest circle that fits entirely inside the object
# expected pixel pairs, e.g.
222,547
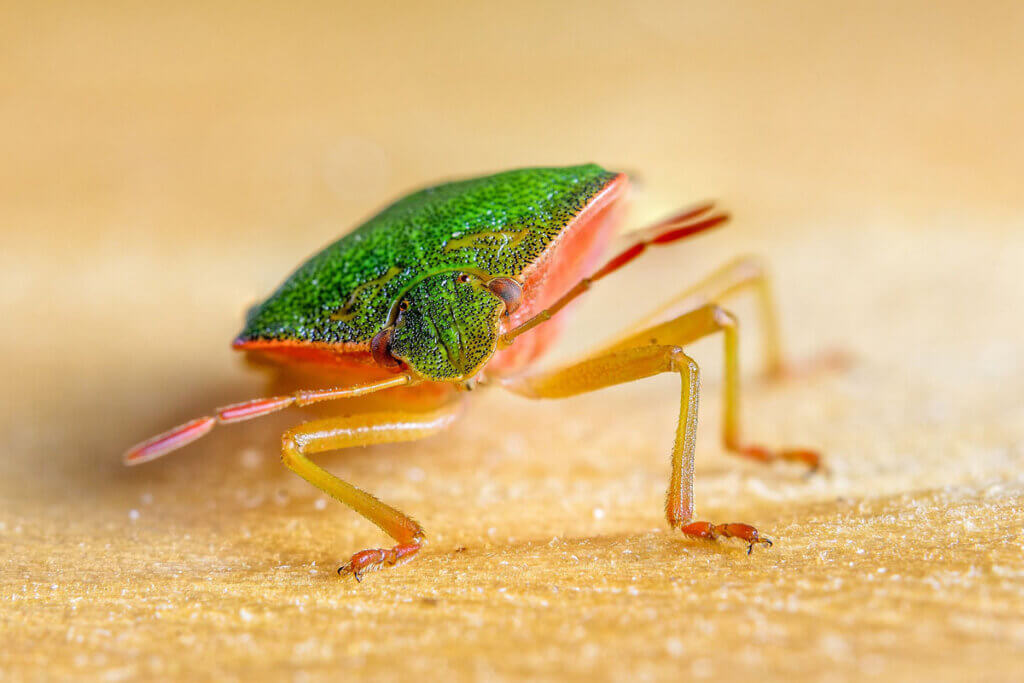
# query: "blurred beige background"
163,167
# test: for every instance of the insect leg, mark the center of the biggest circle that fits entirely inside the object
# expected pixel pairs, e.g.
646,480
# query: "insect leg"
653,351
299,443
735,277
678,331
727,281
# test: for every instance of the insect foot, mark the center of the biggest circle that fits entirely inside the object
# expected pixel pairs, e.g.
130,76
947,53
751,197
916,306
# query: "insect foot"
711,532
372,560
828,360
803,456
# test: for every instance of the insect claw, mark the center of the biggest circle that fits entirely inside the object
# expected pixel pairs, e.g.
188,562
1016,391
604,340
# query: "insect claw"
347,569
710,532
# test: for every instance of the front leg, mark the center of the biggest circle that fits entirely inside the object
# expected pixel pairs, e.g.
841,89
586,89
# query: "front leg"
701,322
656,351
362,430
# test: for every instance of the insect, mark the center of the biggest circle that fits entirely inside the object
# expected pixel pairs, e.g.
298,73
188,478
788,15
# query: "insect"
464,284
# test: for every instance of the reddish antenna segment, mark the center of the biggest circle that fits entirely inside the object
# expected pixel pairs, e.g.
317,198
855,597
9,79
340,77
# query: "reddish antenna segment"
184,434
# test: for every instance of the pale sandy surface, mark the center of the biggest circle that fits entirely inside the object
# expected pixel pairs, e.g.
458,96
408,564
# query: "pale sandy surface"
162,169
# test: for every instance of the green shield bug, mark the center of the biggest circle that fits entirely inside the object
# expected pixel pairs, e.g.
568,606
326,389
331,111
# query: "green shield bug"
463,284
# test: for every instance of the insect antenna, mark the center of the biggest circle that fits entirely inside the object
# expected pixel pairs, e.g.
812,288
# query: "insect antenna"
676,227
186,433
675,220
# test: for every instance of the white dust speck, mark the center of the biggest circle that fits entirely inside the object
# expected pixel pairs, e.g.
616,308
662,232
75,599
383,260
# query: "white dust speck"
834,646
598,513
245,614
320,503
763,490
701,668
872,665
133,515
251,458
675,647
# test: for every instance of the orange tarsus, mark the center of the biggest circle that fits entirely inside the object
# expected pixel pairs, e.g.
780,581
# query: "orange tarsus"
804,456
828,361
371,560
710,532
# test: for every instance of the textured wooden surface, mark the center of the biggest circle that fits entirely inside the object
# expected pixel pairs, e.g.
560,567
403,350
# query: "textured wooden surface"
161,169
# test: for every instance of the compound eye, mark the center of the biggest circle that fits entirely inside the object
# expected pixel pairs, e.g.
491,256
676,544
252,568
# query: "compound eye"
380,348
463,278
404,305
509,291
